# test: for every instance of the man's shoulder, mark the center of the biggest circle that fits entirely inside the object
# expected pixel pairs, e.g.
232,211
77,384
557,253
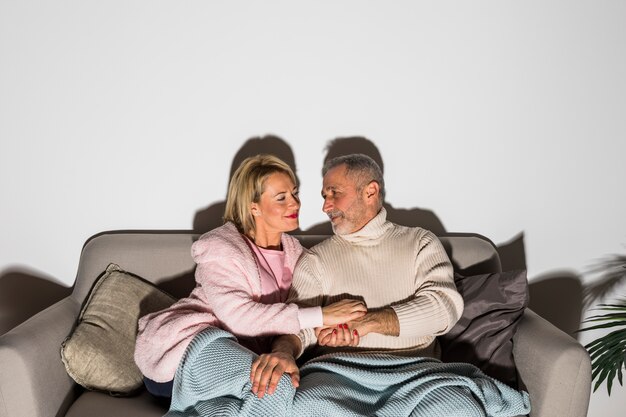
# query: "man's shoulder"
414,237
411,231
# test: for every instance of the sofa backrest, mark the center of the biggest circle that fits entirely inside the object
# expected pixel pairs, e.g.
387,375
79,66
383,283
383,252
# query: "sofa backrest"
471,253
164,257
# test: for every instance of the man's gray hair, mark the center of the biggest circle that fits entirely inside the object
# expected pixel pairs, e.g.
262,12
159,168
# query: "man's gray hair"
362,168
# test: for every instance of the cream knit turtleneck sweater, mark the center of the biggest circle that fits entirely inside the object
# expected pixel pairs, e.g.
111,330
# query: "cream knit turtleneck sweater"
385,265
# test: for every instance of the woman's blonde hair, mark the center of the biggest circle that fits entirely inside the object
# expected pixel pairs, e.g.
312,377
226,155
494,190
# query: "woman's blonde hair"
246,187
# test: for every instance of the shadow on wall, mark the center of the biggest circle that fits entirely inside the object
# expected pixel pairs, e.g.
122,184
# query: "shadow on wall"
23,294
611,272
210,217
513,253
557,296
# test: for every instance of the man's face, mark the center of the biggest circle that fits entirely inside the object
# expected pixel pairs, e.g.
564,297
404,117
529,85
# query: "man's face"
343,204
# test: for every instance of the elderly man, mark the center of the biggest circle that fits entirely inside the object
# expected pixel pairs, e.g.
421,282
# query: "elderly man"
403,274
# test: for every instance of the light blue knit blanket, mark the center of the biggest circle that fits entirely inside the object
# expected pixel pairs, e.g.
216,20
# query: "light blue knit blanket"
213,379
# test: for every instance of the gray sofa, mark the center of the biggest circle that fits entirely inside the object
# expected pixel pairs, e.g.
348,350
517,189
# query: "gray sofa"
34,383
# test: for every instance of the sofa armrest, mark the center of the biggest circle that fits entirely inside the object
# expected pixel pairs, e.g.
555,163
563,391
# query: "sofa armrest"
33,381
555,368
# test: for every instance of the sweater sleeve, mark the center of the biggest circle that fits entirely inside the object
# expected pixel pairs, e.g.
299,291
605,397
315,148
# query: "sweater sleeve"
306,291
226,285
436,305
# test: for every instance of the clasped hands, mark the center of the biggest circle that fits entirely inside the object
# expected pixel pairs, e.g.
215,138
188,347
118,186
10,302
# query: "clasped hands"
345,322
344,334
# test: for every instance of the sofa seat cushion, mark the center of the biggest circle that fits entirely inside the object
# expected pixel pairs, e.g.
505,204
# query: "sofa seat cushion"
97,404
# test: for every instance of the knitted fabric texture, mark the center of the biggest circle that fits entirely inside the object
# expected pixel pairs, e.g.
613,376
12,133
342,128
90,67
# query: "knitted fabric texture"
213,380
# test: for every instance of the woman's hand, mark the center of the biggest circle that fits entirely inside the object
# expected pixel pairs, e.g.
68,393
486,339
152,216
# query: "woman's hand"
340,335
343,311
267,370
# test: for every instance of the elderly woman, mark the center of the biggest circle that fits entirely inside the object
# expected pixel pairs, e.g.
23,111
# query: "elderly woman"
243,275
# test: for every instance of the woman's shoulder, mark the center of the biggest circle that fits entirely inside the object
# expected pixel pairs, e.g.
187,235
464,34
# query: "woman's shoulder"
223,241
292,248
292,242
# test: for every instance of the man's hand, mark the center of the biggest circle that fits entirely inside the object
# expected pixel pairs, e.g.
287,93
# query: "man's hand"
267,370
383,321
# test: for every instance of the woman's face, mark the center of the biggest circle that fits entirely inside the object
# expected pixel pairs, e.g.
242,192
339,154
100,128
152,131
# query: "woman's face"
277,210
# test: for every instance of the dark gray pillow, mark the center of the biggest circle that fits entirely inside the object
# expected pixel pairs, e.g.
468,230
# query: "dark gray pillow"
483,336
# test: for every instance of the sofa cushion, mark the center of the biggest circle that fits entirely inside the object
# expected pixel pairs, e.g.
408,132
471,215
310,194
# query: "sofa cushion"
98,354
97,404
483,336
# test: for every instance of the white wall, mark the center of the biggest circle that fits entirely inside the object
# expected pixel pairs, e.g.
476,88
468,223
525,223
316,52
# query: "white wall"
500,117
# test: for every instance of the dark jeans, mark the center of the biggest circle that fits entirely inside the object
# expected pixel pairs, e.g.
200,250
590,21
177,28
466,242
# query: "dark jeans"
159,389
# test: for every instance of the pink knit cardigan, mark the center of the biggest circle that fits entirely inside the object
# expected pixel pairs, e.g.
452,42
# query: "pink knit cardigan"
227,294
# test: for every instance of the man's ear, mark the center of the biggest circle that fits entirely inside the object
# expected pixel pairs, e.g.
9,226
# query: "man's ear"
371,191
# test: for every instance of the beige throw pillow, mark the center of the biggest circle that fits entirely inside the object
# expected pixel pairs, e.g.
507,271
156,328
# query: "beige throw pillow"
98,354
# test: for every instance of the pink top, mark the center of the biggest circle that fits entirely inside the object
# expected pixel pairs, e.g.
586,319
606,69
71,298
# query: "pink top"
229,294
275,278
276,281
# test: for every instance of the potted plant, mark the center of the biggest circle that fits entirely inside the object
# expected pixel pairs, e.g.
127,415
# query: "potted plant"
609,351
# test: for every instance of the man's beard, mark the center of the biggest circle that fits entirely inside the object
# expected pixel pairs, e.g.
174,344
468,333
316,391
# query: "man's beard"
350,218
344,228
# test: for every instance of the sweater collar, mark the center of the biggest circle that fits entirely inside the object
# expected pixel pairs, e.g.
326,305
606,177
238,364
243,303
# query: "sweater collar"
374,229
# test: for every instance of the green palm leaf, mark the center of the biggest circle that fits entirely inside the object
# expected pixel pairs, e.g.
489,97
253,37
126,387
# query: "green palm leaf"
608,352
